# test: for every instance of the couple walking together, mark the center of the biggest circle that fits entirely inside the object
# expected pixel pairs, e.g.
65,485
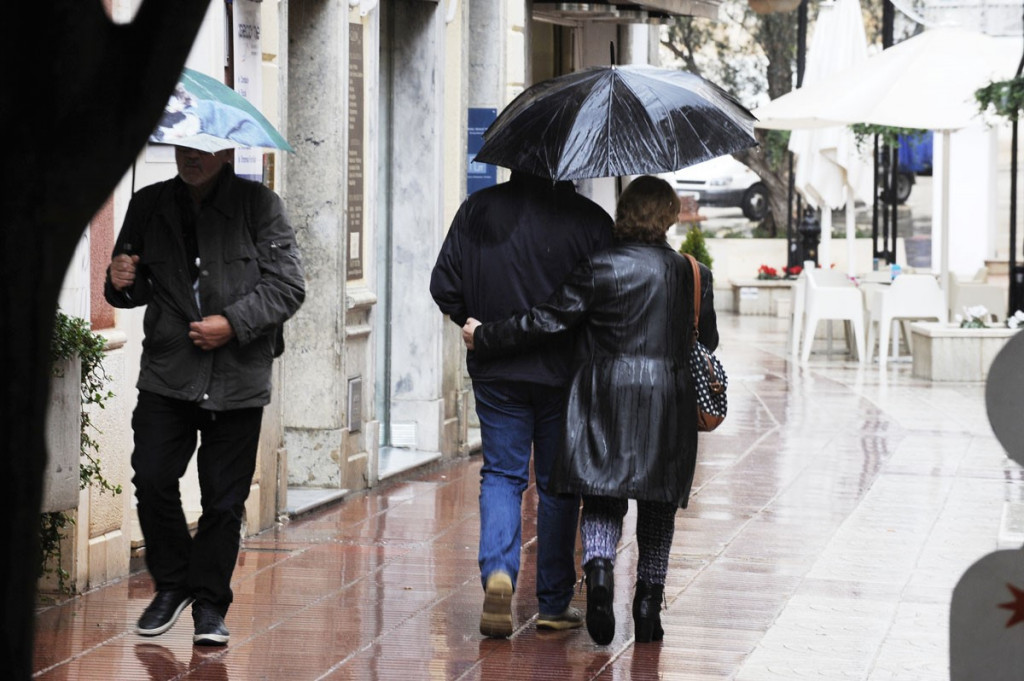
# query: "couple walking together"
581,357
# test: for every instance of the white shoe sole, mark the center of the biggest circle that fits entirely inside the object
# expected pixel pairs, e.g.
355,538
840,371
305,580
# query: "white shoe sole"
210,639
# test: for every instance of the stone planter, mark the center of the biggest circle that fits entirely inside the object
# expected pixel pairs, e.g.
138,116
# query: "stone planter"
945,352
765,297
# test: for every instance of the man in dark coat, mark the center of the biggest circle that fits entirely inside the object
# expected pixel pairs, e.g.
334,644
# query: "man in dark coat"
508,248
213,258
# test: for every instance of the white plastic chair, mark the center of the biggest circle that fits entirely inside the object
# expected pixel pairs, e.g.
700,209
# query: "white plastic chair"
909,297
830,295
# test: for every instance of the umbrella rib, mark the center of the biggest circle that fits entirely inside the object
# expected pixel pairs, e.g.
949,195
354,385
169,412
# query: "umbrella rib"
575,114
661,141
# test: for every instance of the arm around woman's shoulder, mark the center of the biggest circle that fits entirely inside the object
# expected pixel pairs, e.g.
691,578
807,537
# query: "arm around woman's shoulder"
564,310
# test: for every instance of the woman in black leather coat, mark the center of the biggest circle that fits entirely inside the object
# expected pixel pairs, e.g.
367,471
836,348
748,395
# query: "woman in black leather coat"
631,428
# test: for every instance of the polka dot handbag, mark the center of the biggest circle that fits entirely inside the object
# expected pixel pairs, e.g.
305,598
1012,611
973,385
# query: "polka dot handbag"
707,372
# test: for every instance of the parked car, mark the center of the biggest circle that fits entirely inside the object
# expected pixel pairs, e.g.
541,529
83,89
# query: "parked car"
723,182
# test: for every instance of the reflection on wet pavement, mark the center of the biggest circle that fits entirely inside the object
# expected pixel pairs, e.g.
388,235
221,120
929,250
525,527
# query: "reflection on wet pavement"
833,513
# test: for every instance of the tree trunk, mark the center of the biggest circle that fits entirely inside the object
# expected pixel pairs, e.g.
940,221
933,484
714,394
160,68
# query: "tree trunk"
775,178
81,96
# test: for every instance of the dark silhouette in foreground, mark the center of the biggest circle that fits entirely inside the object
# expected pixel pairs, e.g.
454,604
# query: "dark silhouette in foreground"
80,96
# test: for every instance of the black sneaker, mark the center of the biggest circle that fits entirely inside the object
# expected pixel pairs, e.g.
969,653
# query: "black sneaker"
210,629
162,612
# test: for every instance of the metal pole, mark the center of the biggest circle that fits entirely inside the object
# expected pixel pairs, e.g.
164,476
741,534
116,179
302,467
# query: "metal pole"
894,165
885,208
1015,303
888,23
801,61
791,249
875,253
801,42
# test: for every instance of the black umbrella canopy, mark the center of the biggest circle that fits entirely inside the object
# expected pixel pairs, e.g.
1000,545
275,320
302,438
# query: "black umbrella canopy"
609,121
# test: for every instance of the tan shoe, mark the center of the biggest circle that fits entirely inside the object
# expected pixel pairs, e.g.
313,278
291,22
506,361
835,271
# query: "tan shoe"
496,618
570,618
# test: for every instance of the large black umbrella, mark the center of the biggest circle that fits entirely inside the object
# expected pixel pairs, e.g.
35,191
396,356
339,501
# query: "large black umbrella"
608,121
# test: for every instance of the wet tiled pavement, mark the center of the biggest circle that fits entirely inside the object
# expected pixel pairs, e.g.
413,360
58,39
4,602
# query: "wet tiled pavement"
833,513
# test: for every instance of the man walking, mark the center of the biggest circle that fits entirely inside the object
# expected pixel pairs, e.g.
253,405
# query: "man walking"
213,258
508,248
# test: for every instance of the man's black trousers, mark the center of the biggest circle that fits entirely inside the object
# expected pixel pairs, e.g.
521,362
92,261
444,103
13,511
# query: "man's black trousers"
165,438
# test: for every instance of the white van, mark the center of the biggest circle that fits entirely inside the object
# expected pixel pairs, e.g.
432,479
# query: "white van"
723,182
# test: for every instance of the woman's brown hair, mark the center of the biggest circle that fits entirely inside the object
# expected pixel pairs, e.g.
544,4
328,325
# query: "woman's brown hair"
647,207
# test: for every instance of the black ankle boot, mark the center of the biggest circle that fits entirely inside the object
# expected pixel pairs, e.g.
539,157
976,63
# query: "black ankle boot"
647,612
600,591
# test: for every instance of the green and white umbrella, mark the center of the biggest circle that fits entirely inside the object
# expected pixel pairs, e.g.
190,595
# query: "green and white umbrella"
205,114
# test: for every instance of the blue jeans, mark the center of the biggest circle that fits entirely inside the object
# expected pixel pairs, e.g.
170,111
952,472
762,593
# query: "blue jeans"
513,415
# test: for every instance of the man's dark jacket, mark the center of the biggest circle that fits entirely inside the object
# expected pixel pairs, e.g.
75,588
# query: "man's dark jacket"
509,248
249,271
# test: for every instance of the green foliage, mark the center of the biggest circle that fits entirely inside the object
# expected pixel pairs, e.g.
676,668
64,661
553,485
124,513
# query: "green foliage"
51,531
887,135
694,245
776,149
1004,98
72,337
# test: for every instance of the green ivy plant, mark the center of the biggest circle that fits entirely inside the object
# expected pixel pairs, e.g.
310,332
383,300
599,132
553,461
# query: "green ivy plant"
694,245
1003,98
72,337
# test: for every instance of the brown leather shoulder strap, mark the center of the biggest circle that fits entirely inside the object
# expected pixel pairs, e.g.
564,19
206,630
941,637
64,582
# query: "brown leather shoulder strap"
696,291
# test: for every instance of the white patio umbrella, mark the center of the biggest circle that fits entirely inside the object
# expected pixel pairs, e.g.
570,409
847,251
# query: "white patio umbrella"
925,82
829,172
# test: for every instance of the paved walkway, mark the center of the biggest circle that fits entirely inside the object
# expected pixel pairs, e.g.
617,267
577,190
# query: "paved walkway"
832,515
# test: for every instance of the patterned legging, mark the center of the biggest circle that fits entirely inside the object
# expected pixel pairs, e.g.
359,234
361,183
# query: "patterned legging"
601,529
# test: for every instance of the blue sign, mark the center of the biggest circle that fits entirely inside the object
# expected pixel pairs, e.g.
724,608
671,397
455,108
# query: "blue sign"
478,175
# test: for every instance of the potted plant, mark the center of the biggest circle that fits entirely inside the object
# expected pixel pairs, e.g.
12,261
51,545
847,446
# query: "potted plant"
76,349
1003,98
694,245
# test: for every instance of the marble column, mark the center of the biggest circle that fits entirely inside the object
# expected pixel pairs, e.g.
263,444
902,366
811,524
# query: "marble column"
415,206
313,365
